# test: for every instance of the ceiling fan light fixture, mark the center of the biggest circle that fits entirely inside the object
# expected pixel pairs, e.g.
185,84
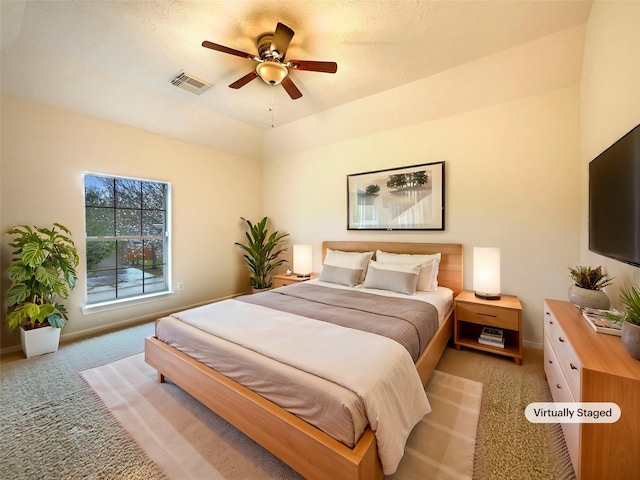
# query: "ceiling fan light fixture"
272,73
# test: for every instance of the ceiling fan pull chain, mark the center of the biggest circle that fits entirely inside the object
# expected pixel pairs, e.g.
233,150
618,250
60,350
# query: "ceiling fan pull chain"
271,110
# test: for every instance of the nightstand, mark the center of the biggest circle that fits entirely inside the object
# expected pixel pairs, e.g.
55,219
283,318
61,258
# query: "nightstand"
473,313
282,279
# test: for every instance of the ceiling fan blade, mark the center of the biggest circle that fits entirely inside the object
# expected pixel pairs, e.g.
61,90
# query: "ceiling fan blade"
223,49
244,80
291,88
311,66
281,39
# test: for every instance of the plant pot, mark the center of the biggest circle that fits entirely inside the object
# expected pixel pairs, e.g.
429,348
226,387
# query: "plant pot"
631,338
39,341
259,290
583,297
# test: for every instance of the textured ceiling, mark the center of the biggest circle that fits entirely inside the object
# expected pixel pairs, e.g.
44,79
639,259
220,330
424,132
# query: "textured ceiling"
114,59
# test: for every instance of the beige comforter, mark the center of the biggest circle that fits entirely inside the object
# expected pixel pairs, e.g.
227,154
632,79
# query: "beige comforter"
409,322
379,370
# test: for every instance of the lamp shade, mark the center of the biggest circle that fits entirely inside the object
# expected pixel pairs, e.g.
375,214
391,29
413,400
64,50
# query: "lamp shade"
486,272
302,260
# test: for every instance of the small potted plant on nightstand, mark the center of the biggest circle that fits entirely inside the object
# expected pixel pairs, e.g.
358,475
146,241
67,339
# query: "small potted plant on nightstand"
630,318
43,271
261,253
587,288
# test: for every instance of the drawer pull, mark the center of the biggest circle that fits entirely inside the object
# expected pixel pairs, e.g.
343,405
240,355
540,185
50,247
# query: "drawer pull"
558,385
561,339
550,362
550,322
486,314
573,367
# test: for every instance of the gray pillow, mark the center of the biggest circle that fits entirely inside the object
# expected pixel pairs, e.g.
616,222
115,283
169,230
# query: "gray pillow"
393,280
343,276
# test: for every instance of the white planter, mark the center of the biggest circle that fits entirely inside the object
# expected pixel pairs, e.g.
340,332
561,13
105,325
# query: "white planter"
39,341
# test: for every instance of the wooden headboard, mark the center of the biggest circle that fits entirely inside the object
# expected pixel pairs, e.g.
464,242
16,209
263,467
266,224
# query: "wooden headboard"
451,269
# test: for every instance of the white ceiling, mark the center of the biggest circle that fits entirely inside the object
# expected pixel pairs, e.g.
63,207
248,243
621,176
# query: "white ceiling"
114,59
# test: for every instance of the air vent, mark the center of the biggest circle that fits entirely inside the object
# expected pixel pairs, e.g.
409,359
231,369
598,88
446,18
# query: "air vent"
190,83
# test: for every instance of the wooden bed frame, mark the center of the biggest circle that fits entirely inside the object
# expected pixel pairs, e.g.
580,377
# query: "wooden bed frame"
309,451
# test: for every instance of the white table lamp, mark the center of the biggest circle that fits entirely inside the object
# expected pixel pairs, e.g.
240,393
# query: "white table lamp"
486,273
302,260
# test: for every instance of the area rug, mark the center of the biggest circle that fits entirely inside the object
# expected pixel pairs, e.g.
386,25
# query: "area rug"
187,440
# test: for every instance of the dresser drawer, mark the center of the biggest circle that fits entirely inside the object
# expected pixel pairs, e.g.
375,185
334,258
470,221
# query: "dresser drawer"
566,355
561,392
485,315
558,385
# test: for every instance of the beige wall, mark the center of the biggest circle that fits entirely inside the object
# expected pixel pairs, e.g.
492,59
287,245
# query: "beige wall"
512,181
46,151
610,107
516,143
516,130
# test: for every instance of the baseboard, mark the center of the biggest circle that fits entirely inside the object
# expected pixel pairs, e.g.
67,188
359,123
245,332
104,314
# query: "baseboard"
536,345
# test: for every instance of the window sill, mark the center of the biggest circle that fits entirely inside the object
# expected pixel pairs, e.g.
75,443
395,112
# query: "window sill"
124,303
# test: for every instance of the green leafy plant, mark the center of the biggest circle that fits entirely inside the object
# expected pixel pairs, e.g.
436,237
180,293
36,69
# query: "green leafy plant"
261,252
630,299
43,271
590,278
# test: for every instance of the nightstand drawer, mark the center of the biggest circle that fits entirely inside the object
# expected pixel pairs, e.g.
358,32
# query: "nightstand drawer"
283,280
486,315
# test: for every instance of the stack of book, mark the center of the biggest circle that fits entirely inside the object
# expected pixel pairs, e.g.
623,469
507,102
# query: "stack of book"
492,336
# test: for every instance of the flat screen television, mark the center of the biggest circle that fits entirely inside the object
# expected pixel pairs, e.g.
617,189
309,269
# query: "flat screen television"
614,200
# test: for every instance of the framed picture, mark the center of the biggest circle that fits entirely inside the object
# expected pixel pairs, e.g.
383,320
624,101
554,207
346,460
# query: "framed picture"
406,198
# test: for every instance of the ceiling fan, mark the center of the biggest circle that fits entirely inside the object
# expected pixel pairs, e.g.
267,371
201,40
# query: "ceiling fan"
272,67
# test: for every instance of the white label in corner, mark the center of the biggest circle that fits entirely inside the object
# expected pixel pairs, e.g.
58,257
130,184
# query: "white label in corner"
573,412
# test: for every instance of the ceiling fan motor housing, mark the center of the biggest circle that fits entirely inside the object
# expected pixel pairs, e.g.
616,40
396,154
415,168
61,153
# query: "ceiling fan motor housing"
264,46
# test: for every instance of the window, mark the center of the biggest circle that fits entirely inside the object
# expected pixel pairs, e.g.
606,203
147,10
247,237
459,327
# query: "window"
127,237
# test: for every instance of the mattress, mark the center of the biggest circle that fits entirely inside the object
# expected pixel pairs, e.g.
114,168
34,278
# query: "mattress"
335,410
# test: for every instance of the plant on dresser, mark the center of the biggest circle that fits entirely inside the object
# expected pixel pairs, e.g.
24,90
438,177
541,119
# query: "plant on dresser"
630,318
586,290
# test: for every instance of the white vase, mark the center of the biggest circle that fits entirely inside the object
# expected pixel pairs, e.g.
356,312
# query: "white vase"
583,297
39,341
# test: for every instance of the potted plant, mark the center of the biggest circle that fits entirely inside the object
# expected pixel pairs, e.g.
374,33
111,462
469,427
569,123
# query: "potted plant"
630,318
43,270
586,290
261,252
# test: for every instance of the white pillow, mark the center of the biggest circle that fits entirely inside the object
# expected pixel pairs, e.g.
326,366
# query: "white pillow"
401,278
428,279
351,260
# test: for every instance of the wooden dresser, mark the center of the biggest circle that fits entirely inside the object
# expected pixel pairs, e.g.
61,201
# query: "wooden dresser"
582,365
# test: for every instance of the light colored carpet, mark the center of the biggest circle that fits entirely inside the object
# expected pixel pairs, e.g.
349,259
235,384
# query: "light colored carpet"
54,427
507,445
189,441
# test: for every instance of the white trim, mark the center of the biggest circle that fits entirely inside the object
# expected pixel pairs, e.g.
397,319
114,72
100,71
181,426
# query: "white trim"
530,344
125,302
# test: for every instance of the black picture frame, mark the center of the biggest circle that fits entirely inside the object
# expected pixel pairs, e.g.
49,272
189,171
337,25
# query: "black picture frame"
403,198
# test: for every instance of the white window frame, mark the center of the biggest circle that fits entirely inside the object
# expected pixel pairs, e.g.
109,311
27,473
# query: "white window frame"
115,303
